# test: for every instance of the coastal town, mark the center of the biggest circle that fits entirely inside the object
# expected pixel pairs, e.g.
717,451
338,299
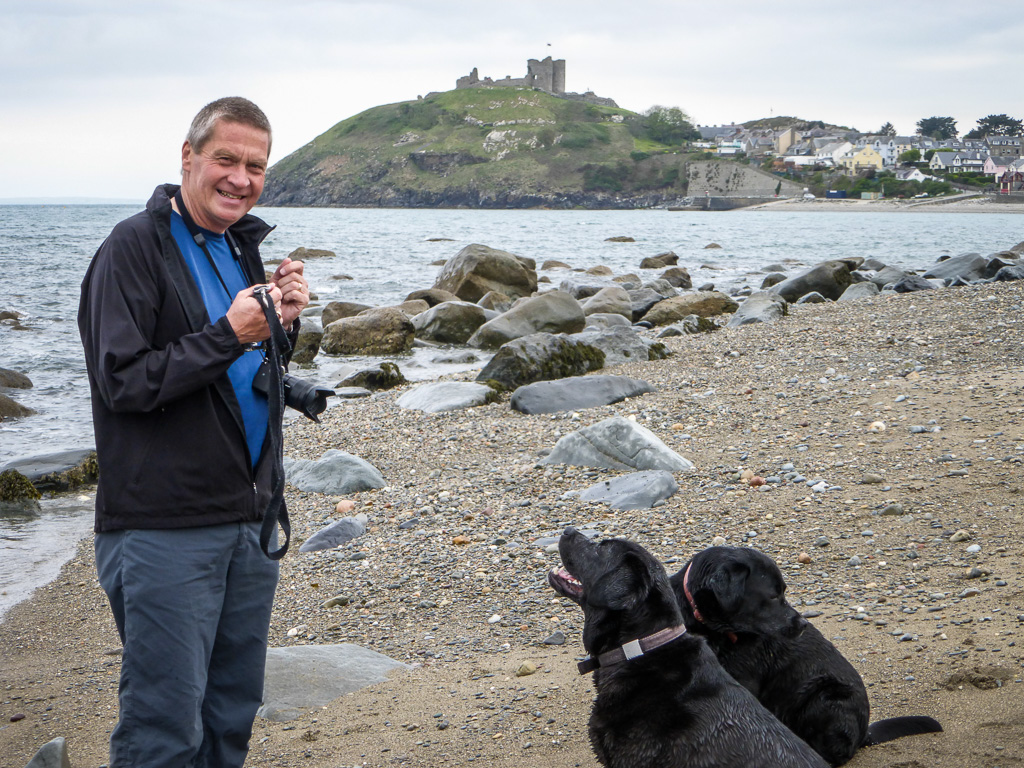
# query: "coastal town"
992,163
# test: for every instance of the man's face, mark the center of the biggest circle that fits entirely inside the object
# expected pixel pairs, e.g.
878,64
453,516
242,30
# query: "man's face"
222,182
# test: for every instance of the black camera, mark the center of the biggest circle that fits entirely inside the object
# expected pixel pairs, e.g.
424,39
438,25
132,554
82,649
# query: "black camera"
307,398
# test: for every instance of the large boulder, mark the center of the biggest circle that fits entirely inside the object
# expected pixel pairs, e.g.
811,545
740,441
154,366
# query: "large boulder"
438,396
616,443
336,310
540,357
830,279
452,322
967,266
761,307
14,379
553,312
703,303
576,393
477,269
61,471
911,284
383,331
613,300
641,300
620,344
1009,273
336,472
637,490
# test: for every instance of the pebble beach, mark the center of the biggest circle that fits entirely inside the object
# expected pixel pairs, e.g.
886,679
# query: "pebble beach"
889,432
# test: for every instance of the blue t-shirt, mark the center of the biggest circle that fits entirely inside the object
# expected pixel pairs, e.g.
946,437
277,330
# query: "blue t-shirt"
255,410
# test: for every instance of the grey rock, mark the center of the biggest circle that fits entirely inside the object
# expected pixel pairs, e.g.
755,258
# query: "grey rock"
613,300
603,320
761,307
306,677
451,322
336,310
912,283
772,278
478,269
465,357
660,261
60,471
305,254
887,276
637,490
12,409
438,396
580,285
334,472
307,344
496,301
620,344
702,303
859,291
677,277
53,754
1009,273
812,298
576,393
540,357
382,331
554,312
830,279
376,377
433,296
557,638
337,533
967,266
14,379
616,443
642,300
351,393
688,326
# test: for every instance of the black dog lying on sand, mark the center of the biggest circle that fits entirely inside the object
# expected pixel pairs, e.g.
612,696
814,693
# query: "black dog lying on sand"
663,699
735,597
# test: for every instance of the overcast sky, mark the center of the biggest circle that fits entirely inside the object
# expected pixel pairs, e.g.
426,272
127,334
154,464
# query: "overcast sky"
96,95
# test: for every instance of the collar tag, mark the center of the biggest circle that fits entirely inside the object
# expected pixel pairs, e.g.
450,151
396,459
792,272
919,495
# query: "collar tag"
632,649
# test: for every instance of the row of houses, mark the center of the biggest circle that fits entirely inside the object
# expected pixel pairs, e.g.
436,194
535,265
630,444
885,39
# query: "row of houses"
854,152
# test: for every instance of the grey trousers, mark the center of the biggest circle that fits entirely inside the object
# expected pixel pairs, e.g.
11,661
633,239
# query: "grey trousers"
193,608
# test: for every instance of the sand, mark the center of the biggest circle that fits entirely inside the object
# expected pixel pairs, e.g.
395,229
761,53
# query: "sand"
837,390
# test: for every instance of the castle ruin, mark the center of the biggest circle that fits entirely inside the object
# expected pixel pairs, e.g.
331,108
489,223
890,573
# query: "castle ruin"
547,75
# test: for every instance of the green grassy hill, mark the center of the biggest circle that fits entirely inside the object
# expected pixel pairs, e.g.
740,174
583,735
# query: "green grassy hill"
482,147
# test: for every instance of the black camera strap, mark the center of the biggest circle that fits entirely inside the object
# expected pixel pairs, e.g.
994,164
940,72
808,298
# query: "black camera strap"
276,512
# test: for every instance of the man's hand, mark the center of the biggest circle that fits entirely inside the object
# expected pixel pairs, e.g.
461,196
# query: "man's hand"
246,315
294,290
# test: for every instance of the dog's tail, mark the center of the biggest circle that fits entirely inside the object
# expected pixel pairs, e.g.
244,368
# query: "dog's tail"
897,727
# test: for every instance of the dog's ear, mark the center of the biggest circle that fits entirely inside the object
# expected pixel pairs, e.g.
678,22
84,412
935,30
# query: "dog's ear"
728,584
625,587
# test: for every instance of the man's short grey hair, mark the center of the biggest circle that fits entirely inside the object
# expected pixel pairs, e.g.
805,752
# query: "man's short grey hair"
234,109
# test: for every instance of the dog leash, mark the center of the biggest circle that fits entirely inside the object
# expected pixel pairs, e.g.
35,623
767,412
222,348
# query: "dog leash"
631,650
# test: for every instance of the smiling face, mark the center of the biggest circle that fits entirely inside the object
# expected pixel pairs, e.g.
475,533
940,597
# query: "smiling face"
222,181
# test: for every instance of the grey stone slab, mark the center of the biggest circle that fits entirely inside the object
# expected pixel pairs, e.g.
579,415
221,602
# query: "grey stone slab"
576,393
334,472
637,490
440,396
616,443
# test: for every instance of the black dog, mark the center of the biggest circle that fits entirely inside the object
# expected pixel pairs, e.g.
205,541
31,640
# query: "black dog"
735,597
663,700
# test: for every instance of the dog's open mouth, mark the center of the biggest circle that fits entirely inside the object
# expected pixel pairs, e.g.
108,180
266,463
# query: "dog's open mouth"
565,584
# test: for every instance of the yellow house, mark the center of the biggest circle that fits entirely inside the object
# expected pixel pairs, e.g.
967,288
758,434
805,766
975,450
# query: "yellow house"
862,159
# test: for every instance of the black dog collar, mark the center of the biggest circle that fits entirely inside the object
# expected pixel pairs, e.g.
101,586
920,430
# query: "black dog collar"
631,650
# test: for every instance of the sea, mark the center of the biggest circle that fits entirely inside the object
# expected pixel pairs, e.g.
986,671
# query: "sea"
381,255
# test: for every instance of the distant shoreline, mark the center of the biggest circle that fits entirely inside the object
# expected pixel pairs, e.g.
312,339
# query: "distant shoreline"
936,205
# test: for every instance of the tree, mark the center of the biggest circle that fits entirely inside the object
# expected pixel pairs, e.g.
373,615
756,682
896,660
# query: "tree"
910,156
887,130
999,125
937,127
666,125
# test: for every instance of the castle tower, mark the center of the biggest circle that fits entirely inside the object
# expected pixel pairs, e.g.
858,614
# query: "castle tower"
558,76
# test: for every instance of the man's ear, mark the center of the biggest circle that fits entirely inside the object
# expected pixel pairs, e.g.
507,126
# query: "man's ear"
186,157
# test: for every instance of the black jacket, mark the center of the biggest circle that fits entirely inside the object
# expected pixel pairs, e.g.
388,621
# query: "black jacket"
169,431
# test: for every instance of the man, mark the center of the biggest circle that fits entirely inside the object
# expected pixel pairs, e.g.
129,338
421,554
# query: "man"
168,320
